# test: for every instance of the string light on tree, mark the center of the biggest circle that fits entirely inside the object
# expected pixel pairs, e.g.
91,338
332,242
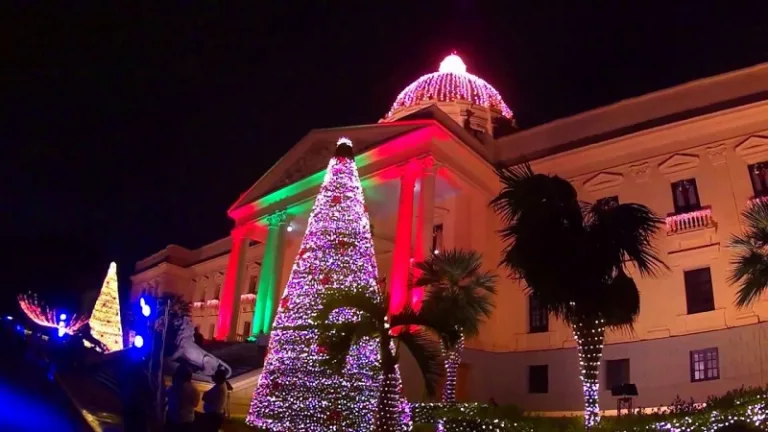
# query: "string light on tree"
590,334
294,392
43,316
105,318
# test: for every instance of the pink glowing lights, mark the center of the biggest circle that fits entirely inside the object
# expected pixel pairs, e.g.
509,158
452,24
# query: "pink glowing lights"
295,392
43,316
450,83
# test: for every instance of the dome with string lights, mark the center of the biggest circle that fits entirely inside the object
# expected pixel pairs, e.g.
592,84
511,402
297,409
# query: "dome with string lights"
451,83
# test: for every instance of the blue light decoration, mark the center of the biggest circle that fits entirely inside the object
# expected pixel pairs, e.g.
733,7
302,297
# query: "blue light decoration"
62,329
145,309
9,318
143,326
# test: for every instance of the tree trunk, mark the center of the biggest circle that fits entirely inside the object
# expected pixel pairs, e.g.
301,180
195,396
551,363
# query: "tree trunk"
390,398
590,334
452,363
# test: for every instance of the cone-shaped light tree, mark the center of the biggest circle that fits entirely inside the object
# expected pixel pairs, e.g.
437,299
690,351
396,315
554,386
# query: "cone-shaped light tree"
105,318
295,391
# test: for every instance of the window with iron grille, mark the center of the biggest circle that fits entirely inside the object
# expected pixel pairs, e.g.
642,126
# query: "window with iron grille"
698,290
538,317
705,365
685,194
758,173
538,379
616,373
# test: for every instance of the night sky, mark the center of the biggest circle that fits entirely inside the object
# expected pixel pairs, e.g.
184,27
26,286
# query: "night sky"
126,129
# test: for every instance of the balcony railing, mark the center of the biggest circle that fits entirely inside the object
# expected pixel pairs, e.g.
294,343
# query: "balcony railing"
691,221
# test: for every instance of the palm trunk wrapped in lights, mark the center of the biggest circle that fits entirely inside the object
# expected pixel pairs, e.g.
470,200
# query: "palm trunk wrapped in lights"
452,363
390,410
590,335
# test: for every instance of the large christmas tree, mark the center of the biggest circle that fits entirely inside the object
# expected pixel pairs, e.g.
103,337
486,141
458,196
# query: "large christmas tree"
105,318
295,392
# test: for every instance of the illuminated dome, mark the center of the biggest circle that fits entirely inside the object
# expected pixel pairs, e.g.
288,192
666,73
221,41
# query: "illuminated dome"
450,84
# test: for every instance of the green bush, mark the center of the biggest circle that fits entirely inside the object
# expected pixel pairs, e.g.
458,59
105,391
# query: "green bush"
740,410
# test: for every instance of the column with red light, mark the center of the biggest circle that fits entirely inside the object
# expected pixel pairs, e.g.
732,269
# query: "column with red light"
229,303
425,222
401,256
269,277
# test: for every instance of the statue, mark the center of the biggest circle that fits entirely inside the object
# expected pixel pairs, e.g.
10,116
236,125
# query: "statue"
189,352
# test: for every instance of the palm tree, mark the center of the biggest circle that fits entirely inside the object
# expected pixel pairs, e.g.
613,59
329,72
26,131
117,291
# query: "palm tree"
573,257
750,265
413,330
459,290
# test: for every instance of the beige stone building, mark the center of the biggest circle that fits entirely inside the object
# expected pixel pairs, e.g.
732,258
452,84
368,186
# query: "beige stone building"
693,153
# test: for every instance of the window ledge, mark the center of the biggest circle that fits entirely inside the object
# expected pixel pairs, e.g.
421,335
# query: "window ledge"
702,321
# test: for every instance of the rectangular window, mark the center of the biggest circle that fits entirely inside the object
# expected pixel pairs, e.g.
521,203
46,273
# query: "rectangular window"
705,365
610,201
616,373
211,331
437,238
246,328
685,194
538,318
538,379
758,173
253,285
218,292
698,290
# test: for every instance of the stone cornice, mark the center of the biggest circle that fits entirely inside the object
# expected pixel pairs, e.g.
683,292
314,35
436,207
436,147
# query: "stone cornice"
700,131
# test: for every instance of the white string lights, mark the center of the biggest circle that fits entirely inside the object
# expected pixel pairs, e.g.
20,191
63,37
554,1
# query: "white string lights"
590,337
451,83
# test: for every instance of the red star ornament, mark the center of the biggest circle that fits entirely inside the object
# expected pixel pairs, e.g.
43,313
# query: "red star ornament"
334,416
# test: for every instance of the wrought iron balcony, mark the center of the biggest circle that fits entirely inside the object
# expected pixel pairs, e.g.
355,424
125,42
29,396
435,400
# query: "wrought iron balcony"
690,221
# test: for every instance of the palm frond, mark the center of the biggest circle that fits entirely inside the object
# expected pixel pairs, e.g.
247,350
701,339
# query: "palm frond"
749,270
749,267
625,232
620,303
428,356
356,299
458,291
512,197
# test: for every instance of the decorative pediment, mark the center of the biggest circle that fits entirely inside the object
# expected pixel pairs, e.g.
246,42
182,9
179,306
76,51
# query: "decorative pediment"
603,180
678,162
314,160
753,149
311,155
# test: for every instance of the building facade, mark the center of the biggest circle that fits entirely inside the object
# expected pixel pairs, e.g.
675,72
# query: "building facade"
694,154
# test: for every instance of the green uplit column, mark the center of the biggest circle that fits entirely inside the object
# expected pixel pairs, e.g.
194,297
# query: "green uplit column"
269,277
